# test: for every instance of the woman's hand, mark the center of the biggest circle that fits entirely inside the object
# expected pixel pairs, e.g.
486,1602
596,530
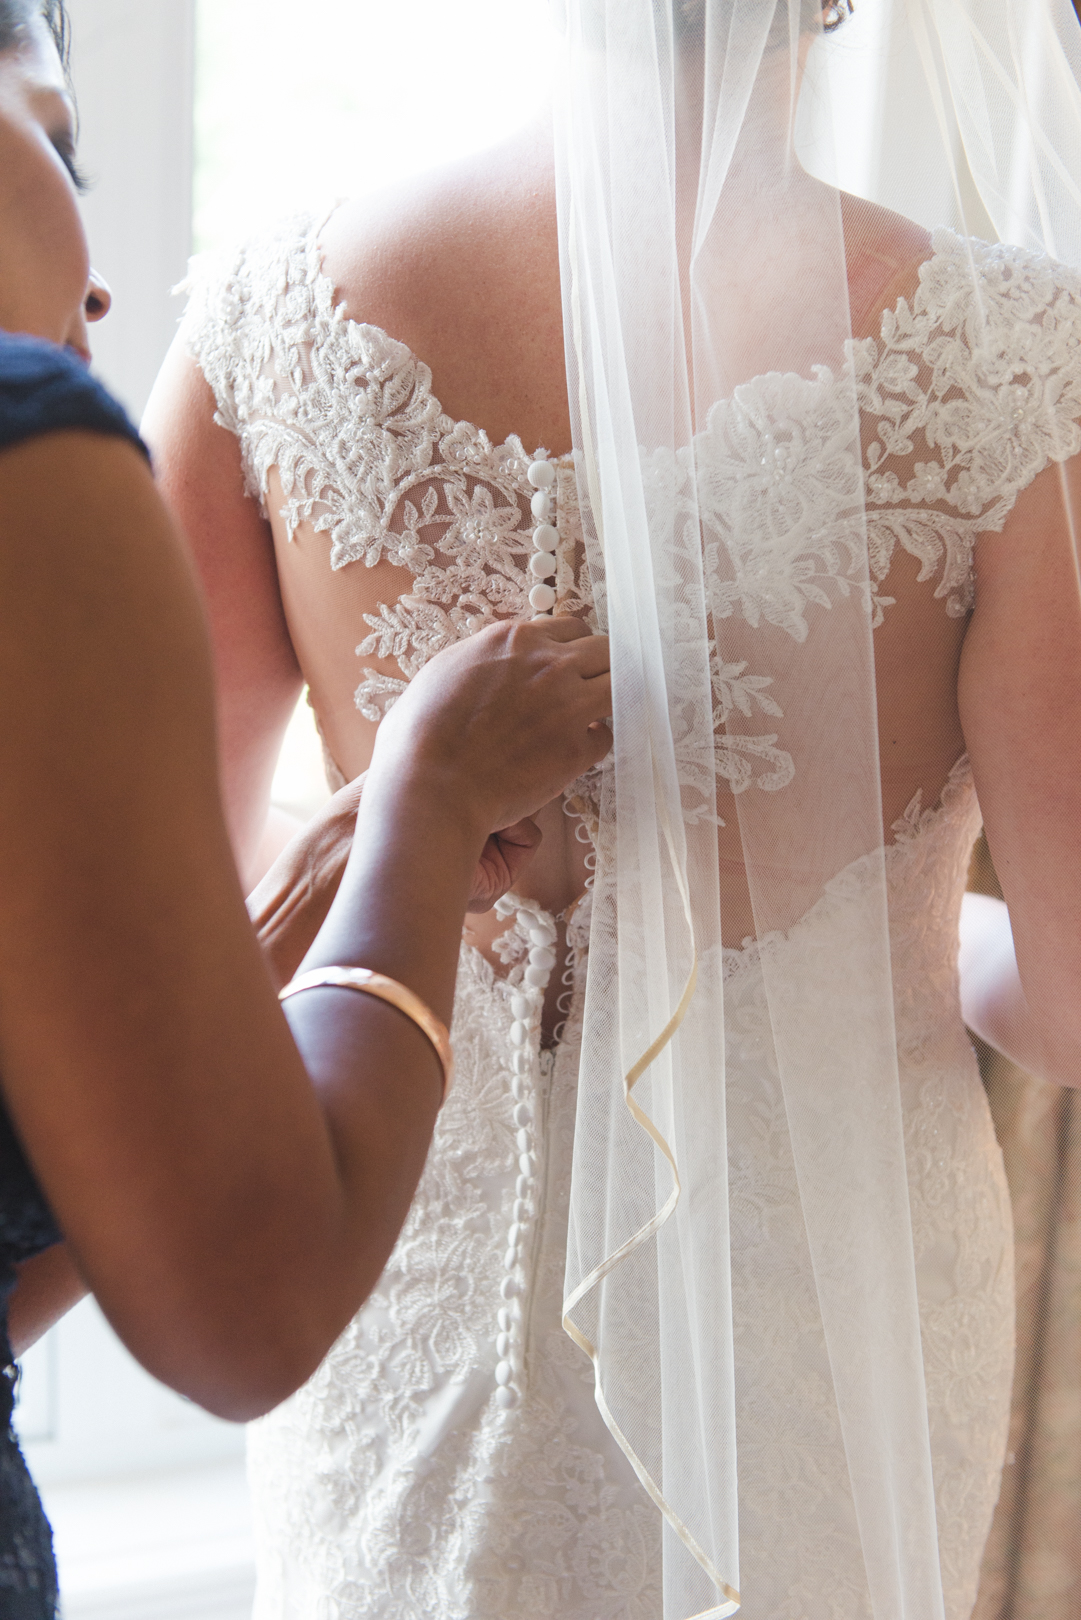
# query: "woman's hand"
501,722
539,691
503,858
289,906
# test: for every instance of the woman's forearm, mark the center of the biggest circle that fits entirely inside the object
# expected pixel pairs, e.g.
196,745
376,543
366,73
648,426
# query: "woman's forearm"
48,1286
401,902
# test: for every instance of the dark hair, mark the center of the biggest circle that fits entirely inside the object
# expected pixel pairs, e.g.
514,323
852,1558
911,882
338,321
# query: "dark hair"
15,14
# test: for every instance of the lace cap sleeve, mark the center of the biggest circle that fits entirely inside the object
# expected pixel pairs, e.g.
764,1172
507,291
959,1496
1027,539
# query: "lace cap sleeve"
973,388
213,326
238,317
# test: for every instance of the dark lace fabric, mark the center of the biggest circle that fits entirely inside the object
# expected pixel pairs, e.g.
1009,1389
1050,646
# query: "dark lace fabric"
42,389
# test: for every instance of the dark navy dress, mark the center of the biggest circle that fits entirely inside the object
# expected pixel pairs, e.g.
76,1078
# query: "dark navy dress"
42,389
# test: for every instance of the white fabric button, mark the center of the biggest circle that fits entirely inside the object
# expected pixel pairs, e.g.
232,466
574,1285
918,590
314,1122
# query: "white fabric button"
542,564
537,976
541,956
502,1344
510,1259
542,475
541,505
523,1141
514,1234
517,1087
521,1062
504,1372
506,1397
542,934
523,1114
522,1187
519,1032
545,537
502,1316
509,1287
542,597
519,1006
525,1164
522,1209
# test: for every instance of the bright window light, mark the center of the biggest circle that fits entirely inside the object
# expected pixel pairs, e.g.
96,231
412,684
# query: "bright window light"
297,105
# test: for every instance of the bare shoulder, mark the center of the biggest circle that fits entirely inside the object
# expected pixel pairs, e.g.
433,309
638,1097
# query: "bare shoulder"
50,481
426,240
462,266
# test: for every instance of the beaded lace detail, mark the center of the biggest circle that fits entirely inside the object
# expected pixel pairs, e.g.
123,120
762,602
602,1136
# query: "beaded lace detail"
986,387
396,1484
366,455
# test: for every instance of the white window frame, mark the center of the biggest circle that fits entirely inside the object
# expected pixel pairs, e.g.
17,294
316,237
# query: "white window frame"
133,64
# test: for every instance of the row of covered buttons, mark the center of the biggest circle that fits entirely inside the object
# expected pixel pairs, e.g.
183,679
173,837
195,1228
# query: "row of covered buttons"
527,1001
542,564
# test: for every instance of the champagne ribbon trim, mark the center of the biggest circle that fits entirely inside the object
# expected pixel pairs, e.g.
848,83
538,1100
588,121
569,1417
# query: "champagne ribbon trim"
643,1235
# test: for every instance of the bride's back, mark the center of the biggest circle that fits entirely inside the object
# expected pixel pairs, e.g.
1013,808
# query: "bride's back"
463,268
455,281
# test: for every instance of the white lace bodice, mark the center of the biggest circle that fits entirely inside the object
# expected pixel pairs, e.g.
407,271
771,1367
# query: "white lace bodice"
963,399
791,1455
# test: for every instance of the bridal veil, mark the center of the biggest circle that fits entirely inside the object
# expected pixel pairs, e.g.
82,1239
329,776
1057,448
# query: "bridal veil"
738,559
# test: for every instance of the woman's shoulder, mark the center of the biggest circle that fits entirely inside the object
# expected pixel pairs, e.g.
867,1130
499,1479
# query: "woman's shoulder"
1025,282
45,388
1000,300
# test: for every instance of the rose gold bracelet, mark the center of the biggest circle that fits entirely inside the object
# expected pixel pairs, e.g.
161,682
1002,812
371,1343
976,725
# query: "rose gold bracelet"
377,984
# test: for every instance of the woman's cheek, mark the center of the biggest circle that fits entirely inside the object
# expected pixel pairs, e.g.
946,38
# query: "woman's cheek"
44,259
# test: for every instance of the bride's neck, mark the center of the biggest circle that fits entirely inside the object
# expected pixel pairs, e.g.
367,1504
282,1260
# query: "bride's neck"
751,144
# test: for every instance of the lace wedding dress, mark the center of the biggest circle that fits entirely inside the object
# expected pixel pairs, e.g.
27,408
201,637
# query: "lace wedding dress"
447,1461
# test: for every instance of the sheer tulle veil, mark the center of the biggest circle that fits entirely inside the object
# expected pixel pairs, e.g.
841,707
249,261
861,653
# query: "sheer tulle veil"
702,148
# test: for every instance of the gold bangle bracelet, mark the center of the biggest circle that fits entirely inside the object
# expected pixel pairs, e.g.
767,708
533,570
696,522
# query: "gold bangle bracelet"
377,984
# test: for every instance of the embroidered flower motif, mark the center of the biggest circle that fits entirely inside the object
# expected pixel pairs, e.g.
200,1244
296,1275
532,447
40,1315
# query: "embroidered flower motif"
781,495
735,690
927,484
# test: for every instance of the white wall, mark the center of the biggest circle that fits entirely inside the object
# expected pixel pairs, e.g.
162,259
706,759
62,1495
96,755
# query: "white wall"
133,63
